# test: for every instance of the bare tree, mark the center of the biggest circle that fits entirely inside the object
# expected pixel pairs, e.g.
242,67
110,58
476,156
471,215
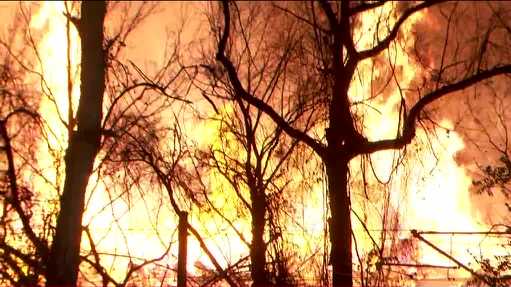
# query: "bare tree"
19,119
252,154
335,47
253,157
83,147
88,131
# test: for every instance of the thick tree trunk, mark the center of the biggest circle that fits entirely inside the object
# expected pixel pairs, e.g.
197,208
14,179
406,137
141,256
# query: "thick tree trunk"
340,222
258,247
63,262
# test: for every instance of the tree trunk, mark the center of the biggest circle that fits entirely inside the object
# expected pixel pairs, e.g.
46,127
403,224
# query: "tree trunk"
258,247
340,222
63,262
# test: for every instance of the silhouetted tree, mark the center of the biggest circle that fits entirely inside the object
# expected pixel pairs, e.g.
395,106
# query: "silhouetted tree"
21,263
35,186
338,57
252,156
252,153
83,147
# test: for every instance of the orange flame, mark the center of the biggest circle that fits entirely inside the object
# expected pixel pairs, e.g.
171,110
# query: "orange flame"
435,195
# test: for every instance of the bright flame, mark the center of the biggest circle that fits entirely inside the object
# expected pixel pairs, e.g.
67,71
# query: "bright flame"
49,24
430,191
437,201
117,227
106,224
52,49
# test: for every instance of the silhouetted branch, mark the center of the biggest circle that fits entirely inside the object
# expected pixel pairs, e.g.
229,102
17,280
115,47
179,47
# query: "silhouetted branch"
260,104
384,44
410,121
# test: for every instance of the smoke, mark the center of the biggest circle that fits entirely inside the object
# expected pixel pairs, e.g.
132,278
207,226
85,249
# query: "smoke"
454,41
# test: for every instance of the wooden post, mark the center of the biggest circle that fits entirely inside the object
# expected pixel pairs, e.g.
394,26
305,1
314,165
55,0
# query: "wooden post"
181,259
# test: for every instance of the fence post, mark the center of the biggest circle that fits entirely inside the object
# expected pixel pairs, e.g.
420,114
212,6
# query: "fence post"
181,258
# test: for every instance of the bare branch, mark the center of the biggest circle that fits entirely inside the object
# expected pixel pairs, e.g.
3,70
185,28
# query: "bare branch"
258,103
365,6
384,44
411,119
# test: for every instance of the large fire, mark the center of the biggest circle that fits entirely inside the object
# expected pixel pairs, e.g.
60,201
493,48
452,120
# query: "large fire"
102,212
429,192
119,229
